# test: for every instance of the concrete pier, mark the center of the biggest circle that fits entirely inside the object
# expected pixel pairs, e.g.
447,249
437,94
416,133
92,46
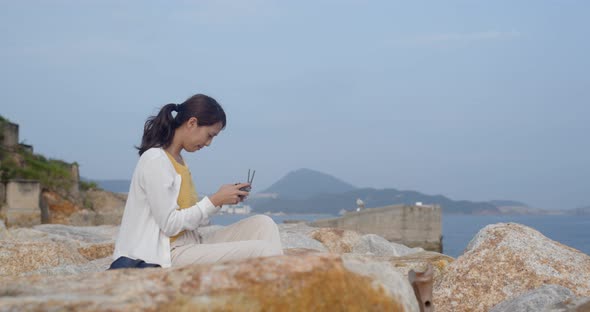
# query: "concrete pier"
411,225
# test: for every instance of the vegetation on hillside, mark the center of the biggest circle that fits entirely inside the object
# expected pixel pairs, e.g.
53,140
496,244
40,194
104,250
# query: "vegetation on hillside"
20,163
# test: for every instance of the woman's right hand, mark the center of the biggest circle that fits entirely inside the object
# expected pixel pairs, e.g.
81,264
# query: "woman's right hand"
229,194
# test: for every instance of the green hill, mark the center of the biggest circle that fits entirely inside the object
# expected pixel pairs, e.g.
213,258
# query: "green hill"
305,183
333,203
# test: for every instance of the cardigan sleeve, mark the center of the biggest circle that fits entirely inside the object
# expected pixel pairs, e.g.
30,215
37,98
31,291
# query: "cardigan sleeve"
160,189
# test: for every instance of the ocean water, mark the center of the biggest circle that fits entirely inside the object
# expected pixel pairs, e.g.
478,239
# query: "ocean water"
573,231
458,230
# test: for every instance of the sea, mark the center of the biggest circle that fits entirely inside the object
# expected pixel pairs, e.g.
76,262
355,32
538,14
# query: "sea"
458,230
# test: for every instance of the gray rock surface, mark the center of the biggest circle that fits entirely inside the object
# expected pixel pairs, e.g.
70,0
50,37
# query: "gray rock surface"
86,234
376,245
300,228
97,265
535,300
381,272
3,231
298,240
296,235
571,305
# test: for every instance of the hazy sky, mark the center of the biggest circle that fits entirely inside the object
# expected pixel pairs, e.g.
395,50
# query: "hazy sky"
474,100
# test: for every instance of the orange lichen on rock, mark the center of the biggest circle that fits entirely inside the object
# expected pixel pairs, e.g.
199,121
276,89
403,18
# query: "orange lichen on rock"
314,282
97,251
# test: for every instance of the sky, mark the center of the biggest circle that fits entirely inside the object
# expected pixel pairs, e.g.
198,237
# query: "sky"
474,100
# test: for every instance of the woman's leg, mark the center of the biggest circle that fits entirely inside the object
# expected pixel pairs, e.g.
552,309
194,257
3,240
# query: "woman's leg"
258,227
256,236
210,253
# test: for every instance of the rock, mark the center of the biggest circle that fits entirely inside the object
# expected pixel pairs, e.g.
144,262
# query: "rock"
23,217
535,300
106,208
336,240
103,202
28,234
417,262
20,257
97,207
504,261
55,247
298,251
296,235
97,265
571,305
59,209
300,228
97,251
397,284
297,283
379,246
297,240
85,234
3,231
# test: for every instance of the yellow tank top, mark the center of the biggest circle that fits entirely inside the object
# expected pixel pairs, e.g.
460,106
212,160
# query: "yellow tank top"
187,197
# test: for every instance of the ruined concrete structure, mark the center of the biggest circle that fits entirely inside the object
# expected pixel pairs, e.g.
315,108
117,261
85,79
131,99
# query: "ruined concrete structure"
9,134
20,199
411,225
22,206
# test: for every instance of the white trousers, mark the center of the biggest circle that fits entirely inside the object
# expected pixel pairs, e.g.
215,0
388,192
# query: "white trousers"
255,236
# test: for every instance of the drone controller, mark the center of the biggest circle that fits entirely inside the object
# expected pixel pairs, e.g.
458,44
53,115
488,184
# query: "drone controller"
248,188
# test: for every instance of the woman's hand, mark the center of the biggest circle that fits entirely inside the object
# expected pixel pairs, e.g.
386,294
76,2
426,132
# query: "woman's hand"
229,194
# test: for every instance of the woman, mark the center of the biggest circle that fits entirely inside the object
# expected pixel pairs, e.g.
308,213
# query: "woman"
163,212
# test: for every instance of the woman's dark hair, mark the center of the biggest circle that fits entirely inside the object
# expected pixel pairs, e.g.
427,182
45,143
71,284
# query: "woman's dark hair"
159,130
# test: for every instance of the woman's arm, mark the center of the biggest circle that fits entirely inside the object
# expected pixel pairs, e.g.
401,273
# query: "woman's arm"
161,195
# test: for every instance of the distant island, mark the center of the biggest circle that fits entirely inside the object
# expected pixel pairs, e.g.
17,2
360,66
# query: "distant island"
310,191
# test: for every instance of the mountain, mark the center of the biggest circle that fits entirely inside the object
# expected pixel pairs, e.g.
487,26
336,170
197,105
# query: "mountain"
333,203
305,183
507,203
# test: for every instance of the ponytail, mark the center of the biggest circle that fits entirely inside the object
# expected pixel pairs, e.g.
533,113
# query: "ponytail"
158,130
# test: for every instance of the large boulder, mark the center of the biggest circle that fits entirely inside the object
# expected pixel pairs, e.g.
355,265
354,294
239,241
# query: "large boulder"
105,208
336,240
102,201
55,248
97,265
417,261
94,207
3,231
571,305
296,283
379,246
19,257
504,261
535,300
296,235
59,210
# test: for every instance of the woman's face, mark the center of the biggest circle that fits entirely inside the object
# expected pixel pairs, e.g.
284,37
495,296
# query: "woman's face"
197,136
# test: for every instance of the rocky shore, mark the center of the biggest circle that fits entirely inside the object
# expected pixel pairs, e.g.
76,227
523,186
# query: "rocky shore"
506,267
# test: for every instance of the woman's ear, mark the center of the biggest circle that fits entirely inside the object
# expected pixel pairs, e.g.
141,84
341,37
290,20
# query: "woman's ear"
193,122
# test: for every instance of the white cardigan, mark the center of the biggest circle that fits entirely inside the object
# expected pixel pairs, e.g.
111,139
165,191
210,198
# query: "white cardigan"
151,213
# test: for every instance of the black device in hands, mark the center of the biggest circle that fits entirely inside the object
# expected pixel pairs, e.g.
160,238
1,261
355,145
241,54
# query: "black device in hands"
248,188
